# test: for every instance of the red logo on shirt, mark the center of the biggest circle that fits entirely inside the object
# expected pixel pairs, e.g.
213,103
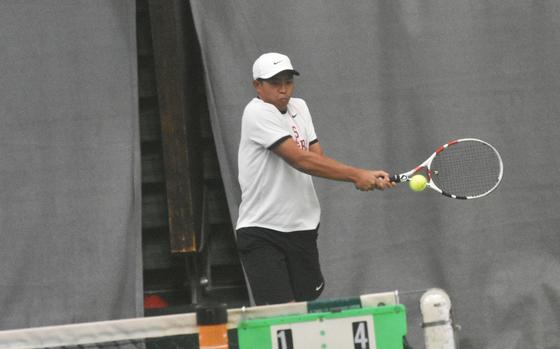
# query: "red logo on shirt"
301,143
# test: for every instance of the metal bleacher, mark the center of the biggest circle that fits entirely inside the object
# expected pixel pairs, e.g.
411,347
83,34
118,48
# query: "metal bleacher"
207,266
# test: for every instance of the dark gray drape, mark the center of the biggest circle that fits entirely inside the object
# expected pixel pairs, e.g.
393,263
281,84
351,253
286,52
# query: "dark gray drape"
387,82
69,163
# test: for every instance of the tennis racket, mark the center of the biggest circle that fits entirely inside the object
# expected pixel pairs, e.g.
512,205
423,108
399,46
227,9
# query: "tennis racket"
464,169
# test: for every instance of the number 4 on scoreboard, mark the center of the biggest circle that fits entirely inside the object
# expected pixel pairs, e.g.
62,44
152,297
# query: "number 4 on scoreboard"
361,336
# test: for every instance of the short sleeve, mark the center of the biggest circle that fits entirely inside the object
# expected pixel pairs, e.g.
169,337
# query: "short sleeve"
264,126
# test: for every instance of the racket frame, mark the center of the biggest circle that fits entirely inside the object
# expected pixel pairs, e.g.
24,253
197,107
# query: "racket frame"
426,166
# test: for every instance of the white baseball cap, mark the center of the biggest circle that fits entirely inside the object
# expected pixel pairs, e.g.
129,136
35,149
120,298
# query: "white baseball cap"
270,64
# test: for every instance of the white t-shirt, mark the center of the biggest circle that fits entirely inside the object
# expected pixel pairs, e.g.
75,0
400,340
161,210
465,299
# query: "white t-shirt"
275,195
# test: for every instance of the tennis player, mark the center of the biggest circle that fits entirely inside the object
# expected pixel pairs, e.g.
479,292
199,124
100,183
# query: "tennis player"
279,214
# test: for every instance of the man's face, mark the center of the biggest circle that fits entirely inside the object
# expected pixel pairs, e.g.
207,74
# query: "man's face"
277,90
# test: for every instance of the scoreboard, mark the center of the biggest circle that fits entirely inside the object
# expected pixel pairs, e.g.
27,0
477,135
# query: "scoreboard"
380,327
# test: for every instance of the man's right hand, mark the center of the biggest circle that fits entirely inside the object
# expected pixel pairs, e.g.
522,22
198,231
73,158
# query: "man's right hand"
373,179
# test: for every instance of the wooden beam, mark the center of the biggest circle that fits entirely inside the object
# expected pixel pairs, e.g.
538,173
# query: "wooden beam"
176,67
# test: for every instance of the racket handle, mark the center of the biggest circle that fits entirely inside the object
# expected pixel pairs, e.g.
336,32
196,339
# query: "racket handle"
395,178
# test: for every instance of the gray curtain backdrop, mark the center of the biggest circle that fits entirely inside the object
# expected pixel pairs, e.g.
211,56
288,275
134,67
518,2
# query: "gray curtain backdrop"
70,247
387,82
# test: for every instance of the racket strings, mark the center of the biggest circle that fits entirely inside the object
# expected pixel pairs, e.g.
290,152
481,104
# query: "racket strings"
467,168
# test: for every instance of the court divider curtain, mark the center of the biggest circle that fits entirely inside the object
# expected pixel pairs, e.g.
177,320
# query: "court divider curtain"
387,82
70,242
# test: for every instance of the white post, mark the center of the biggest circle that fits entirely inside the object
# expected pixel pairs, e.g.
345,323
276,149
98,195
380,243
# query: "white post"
437,322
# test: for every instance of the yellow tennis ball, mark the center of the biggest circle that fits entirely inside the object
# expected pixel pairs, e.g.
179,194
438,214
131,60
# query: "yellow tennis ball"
417,183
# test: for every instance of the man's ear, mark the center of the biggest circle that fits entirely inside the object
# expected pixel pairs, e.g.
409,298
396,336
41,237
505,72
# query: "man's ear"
256,83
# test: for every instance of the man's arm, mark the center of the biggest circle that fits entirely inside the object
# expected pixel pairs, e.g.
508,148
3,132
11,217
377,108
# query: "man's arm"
316,148
314,163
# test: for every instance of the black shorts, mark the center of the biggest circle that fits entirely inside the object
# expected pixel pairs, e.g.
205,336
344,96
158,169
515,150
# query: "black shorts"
281,267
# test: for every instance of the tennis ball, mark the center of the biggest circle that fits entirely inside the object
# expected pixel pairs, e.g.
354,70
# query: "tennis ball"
417,183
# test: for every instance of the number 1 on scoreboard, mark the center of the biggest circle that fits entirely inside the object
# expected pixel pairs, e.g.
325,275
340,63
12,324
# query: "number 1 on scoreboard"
285,340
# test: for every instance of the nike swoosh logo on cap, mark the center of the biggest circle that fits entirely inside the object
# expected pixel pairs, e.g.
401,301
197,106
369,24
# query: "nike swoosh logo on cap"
276,62
319,287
